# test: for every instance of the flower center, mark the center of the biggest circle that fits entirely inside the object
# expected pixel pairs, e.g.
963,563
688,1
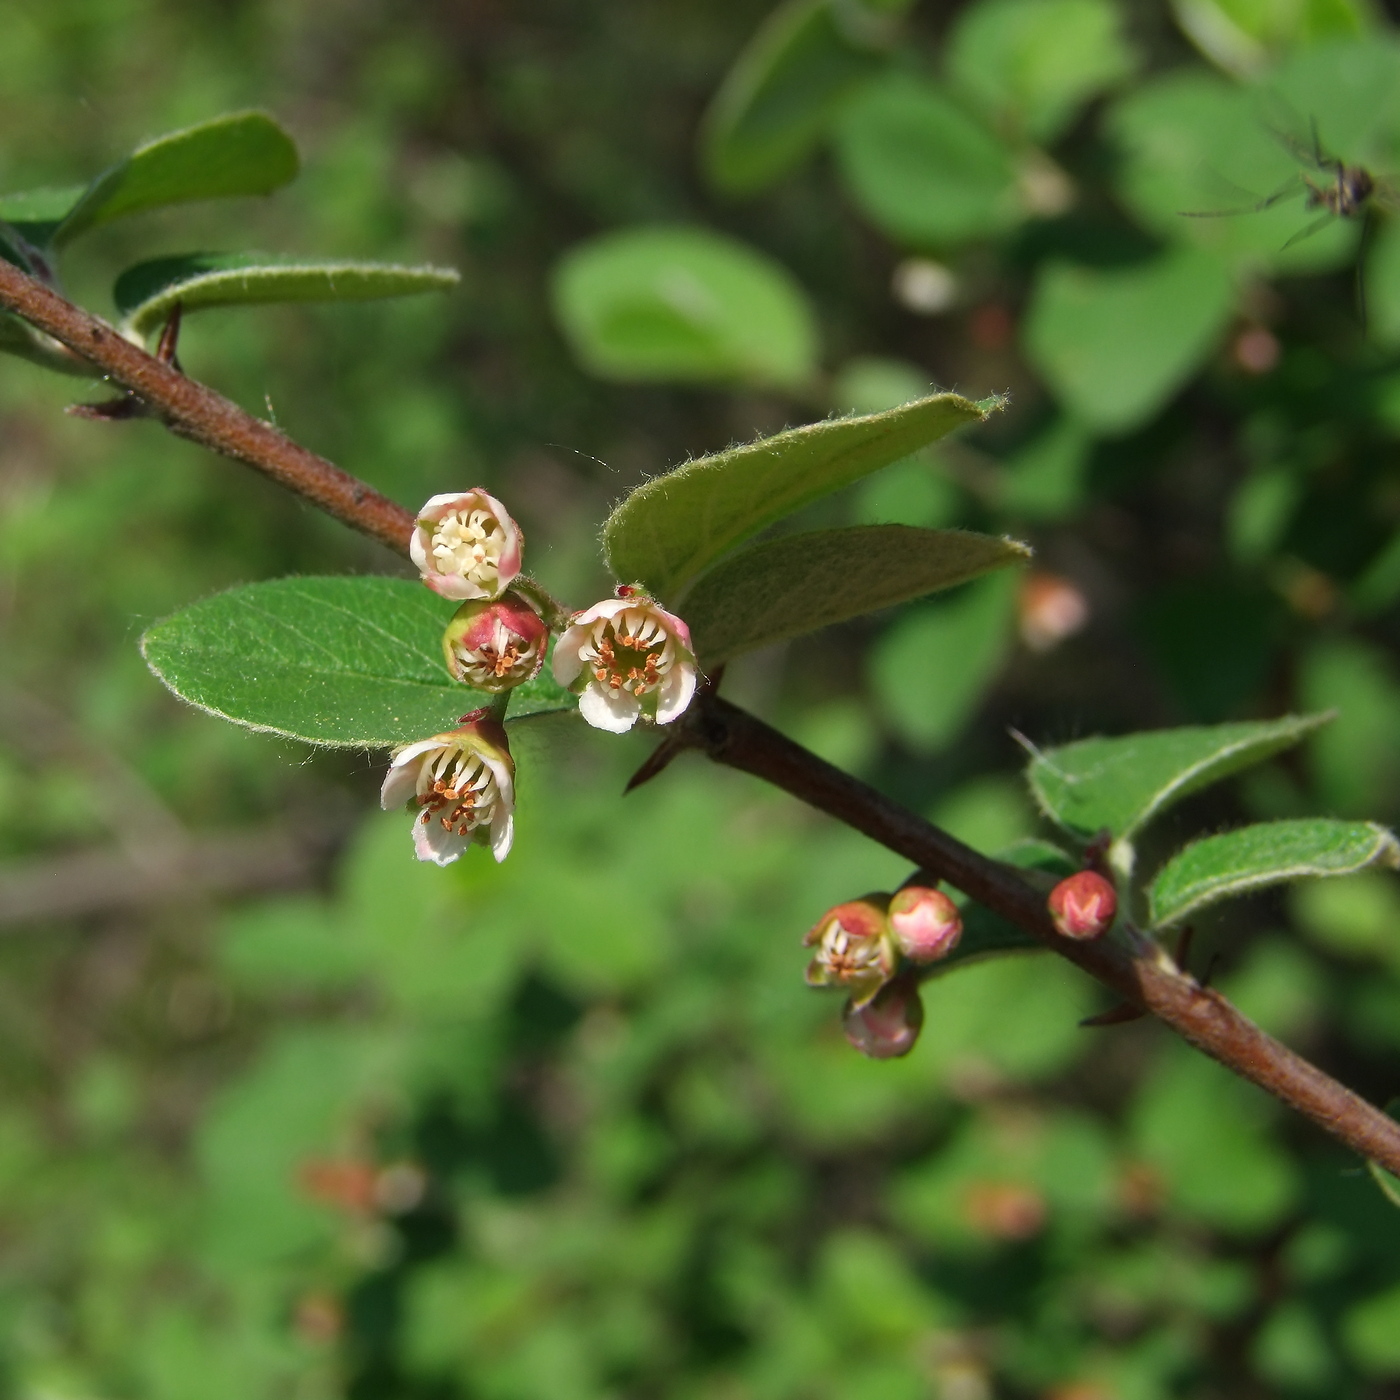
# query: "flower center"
470,544
503,655
631,651
457,789
847,957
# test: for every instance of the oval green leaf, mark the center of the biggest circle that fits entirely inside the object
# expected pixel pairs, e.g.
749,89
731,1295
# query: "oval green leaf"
779,96
146,294
674,527
1115,345
1268,853
674,303
241,153
798,583
1121,784
346,662
921,168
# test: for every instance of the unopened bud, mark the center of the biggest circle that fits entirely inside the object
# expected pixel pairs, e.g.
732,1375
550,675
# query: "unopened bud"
886,1027
853,949
925,923
1083,905
495,645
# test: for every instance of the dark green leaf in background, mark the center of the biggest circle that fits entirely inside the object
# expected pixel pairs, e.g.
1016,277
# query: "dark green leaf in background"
350,661
1030,65
779,96
923,169
798,583
35,214
675,526
1116,344
1121,784
675,303
146,294
931,667
242,153
1256,857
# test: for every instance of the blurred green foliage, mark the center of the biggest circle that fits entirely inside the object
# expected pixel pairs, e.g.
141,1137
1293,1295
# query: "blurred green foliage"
573,1126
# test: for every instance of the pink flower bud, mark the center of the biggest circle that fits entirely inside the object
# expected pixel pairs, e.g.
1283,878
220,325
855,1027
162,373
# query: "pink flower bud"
854,949
628,659
1083,905
926,923
461,785
887,1026
466,545
495,645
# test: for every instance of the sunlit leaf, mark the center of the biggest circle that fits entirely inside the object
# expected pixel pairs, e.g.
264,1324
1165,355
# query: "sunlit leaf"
1030,65
349,661
1121,784
798,583
922,168
1256,857
675,526
146,294
1116,344
674,303
241,153
1241,38
779,96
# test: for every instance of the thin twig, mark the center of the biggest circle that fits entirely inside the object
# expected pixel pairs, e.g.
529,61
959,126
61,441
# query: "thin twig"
1139,971
193,411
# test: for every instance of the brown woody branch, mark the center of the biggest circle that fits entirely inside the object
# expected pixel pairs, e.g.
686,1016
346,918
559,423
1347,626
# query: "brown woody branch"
1138,970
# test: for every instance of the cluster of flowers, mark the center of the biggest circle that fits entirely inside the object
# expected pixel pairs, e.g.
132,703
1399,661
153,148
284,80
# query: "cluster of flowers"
874,947
626,658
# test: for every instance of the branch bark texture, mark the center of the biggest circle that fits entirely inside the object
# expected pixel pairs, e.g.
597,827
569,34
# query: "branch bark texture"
1138,971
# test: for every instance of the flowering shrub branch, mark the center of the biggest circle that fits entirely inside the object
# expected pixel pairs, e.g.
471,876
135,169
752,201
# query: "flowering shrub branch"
462,781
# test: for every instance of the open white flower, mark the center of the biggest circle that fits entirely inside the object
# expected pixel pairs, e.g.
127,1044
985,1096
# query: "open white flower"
627,658
466,545
461,785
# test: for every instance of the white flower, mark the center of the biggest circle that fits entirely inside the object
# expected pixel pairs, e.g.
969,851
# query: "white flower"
627,657
496,645
461,785
466,545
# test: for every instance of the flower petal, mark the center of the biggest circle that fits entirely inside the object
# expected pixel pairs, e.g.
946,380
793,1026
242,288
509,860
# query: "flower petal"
432,841
502,835
400,784
676,692
613,710
568,664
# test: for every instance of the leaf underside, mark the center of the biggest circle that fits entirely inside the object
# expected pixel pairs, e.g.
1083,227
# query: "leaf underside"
146,294
1120,784
670,530
798,583
347,662
1256,857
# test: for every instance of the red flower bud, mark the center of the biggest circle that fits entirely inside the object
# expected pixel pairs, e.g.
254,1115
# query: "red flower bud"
495,645
888,1026
1083,905
925,923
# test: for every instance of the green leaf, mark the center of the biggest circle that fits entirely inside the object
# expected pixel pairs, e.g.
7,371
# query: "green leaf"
1242,37
779,96
798,583
675,303
675,526
932,666
348,662
1192,143
145,294
1256,857
1031,65
35,214
241,153
922,169
1121,784
1116,345
1383,286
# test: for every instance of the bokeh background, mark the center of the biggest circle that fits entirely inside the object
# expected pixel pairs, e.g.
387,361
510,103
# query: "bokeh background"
284,1114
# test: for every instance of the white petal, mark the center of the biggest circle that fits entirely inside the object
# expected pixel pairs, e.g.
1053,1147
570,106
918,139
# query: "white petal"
502,834
613,710
608,608
501,771
432,841
400,784
675,693
567,661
